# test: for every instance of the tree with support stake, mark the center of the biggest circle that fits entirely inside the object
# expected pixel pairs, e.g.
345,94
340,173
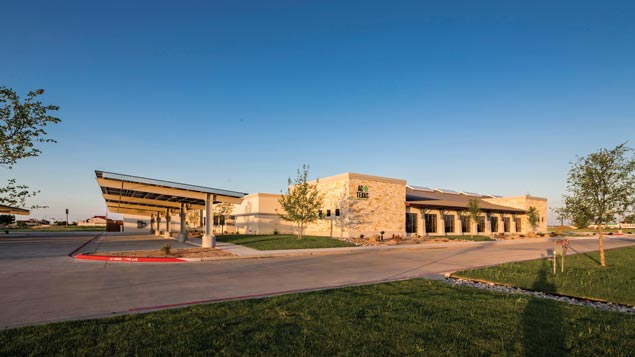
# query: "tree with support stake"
600,186
533,217
474,212
302,202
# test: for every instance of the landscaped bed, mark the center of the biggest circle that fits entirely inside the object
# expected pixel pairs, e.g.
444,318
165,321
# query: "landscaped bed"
583,276
283,241
174,253
414,317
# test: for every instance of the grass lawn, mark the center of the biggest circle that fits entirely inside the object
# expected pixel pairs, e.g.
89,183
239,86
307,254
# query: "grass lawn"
583,276
475,238
283,241
414,317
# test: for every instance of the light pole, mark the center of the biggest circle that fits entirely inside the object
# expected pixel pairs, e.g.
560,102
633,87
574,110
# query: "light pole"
67,217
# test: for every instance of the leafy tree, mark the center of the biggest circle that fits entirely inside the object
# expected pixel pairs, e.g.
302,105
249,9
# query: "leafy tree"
7,219
533,217
22,125
630,219
600,186
222,210
302,202
473,211
15,195
561,214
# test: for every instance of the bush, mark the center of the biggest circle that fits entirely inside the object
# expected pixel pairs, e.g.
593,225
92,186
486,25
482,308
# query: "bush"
165,249
275,232
361,236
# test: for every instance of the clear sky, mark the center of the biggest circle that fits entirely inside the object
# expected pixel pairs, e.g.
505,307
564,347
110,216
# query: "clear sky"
494,97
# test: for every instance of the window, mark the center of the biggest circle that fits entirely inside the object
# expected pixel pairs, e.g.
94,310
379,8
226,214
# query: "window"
141,224
506,223
480,224
448,220
328,213
337,212
320,214
219,220
431,223
518,224
494,222
465,224
411,223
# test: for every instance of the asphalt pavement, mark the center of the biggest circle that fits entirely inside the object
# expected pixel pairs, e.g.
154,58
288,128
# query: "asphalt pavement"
40,283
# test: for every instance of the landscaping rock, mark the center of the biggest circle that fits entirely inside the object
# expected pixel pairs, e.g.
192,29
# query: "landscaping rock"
605,306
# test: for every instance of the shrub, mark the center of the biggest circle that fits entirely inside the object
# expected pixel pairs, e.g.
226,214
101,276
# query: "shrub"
361,236
275,232
165,249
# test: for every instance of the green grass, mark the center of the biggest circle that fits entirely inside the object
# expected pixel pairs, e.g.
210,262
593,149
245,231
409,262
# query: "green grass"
583,276
475,238
283,241
414,317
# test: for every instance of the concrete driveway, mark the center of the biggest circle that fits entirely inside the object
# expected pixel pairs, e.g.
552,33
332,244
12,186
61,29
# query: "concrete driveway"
39,283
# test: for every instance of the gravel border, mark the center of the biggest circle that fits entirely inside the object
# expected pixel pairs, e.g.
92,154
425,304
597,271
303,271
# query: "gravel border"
604,306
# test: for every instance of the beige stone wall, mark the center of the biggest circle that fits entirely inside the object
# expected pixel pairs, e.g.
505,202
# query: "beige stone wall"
383,209
524,202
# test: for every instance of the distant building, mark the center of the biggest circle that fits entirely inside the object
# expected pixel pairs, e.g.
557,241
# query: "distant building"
95,221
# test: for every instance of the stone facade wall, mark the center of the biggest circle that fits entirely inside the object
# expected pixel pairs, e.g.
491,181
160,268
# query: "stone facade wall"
367,204
524,202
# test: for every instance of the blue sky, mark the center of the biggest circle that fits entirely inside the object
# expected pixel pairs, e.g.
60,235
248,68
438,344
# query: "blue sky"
486,96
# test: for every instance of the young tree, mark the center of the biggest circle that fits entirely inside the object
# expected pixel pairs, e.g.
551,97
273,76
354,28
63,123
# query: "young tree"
601,185
302,202
561,214
533,217
473,211
22,125
222,210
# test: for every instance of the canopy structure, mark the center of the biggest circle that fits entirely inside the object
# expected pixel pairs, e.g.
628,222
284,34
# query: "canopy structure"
128,194
14,210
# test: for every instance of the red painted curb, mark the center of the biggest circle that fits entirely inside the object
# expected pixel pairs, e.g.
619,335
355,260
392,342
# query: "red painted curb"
129,259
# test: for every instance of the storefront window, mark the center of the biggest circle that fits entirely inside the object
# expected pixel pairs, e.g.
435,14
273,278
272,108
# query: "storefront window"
448,220
431,223
411,223
465,224
506,224
494,222
518,224
480,224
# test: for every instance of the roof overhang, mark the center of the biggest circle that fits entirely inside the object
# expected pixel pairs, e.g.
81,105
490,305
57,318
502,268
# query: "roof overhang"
462,206
128,194
14,210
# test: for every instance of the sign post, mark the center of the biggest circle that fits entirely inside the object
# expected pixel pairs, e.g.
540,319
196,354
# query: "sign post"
560,247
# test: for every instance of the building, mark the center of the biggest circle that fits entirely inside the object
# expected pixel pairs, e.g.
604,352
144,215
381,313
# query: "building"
94,221
358,204
354,205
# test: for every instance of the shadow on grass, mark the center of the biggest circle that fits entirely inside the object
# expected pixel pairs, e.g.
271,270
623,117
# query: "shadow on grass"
542,320
585,254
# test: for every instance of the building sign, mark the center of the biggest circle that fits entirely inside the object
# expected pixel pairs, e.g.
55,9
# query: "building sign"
362,192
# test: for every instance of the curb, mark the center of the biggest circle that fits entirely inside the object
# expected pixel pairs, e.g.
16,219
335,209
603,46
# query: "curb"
83,245
110,258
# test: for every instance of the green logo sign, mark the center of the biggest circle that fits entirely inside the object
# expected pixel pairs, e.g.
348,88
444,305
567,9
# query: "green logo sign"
362,192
